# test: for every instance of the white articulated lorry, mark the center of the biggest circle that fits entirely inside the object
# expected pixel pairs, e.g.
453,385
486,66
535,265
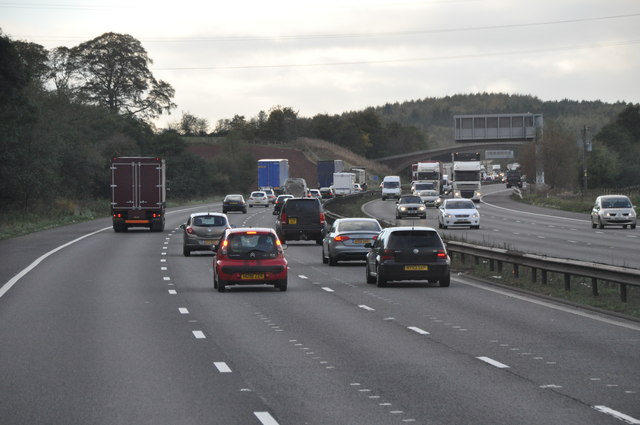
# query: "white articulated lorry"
430,172
466,179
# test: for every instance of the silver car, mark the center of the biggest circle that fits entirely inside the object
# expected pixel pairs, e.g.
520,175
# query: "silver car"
202,231
613,210
410,206
346,239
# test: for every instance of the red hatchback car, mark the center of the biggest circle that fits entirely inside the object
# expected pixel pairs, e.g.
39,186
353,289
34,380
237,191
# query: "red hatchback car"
249,256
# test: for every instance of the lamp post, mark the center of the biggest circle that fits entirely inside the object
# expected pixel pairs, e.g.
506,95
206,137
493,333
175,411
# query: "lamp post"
586,147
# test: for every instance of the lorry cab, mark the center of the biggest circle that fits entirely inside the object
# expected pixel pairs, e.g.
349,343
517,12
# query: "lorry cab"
391,187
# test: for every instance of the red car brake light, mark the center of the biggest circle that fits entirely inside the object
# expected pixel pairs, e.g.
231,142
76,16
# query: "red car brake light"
189,230
387,254
322,218
442,253
341,238
283,218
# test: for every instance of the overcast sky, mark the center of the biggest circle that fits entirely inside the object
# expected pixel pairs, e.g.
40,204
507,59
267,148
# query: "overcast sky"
238,57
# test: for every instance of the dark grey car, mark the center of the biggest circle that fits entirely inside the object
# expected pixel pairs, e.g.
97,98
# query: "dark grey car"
408,253
301,219
202,231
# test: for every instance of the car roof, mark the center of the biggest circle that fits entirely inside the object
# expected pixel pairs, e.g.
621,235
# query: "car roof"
406,228
198,214
612,196
342,220
233,194
251,229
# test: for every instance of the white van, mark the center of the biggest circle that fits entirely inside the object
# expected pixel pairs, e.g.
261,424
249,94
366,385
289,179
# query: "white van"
391,187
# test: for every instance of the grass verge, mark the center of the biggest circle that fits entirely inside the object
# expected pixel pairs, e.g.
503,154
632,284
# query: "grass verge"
62,212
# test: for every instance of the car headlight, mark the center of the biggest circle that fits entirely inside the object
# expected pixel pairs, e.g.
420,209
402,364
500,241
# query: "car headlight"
447,215
421,208
403,208
475,215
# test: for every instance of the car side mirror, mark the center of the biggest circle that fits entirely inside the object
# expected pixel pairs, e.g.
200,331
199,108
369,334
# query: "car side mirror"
182,226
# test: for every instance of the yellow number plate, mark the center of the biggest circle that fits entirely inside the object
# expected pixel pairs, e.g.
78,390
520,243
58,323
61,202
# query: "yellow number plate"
361,241
252,276
416,268
293,220
209,242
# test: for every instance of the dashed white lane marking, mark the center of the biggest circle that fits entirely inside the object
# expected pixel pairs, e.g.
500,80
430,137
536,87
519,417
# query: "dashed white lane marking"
164,260
198,334
324,288
222,367
173,292
166,278
493,362
418,330
366,307
265,418
163,268
183,310
301,276
618,415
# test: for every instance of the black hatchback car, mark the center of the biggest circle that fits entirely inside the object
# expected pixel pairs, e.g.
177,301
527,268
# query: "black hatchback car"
301,219
408,253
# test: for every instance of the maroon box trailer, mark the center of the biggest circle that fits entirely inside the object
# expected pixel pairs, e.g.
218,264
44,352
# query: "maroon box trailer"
138,192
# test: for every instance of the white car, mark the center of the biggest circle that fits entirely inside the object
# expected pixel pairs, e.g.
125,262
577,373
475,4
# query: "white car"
429,197
458,212
258,198
315,193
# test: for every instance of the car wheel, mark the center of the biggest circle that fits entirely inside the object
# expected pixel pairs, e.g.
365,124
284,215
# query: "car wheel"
319,241
244,211
439,225
324,259
600,225
593,225
221,285
444,226
332,260
445,281
282,285
624,226
370,279
186,251
224,211
633,226
475,227
381,282
215,281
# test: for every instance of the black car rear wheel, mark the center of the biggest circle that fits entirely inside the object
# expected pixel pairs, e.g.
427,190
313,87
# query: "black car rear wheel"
445,281
370,279
282,285
381,282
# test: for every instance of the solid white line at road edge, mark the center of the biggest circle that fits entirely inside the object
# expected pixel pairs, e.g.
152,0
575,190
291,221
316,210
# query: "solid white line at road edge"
265,418
5,288
618,415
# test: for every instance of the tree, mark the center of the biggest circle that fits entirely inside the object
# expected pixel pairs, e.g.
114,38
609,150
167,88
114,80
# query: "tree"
115,75
190,125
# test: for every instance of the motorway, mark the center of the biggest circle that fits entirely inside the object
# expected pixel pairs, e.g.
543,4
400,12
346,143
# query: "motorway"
121,328
506,223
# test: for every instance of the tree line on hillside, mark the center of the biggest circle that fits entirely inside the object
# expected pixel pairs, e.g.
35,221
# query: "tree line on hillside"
65,112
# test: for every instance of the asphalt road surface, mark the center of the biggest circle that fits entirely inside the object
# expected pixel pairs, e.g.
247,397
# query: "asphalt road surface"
121,328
